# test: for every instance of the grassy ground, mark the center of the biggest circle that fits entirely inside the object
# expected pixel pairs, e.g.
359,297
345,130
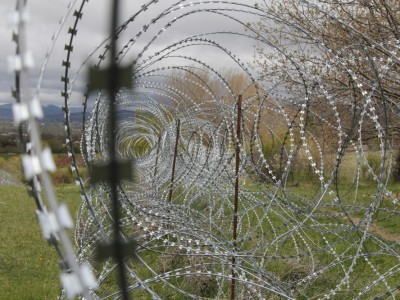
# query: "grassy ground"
28,265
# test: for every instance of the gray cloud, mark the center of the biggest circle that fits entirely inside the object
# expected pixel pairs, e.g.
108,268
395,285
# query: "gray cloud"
93,29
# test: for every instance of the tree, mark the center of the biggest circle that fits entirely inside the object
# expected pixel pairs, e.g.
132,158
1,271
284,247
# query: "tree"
337,63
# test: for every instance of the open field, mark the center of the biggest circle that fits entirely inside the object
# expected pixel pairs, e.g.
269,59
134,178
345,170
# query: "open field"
28,266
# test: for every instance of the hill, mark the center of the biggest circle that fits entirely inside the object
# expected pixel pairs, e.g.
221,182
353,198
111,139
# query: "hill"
52,113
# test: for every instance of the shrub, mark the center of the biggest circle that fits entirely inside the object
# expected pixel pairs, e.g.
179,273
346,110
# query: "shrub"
62,176
8,144
56,146
374,163
62,161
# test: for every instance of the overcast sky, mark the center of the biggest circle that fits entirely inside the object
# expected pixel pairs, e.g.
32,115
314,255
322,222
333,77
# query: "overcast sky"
93,28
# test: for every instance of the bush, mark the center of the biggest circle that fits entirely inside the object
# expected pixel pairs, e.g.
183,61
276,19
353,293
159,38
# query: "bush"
56,145
8,144
374,164
62,161
271,148
62,176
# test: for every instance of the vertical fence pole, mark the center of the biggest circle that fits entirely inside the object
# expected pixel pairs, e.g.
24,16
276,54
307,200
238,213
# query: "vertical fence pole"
236,199
178,125
114,78
158,152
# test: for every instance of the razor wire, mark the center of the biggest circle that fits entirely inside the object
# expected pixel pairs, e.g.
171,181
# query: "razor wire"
178,126
37,163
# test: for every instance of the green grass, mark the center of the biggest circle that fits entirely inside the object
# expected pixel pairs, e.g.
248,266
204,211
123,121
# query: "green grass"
29,270
28,265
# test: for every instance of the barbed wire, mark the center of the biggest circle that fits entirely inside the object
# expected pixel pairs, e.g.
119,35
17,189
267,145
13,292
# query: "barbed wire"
37,163
310,199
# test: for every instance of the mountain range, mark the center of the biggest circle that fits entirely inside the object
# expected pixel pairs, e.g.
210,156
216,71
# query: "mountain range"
52,113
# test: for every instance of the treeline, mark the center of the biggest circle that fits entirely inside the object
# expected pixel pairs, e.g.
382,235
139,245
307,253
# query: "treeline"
9,143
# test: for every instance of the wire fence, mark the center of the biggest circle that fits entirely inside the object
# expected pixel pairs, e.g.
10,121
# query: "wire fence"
234,150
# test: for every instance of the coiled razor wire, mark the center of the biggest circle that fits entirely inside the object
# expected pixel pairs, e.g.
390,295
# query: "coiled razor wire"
37,163
214,151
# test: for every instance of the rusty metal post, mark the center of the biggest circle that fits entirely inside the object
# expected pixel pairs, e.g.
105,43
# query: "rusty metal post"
236,199
178,125
158,152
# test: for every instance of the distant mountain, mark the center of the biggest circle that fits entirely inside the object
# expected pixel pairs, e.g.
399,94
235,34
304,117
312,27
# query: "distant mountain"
6,112
52,113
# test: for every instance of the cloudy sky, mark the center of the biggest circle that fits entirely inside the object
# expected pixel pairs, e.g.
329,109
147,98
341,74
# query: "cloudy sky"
46,15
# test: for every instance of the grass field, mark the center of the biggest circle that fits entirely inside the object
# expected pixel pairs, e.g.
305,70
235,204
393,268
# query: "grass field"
28,265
